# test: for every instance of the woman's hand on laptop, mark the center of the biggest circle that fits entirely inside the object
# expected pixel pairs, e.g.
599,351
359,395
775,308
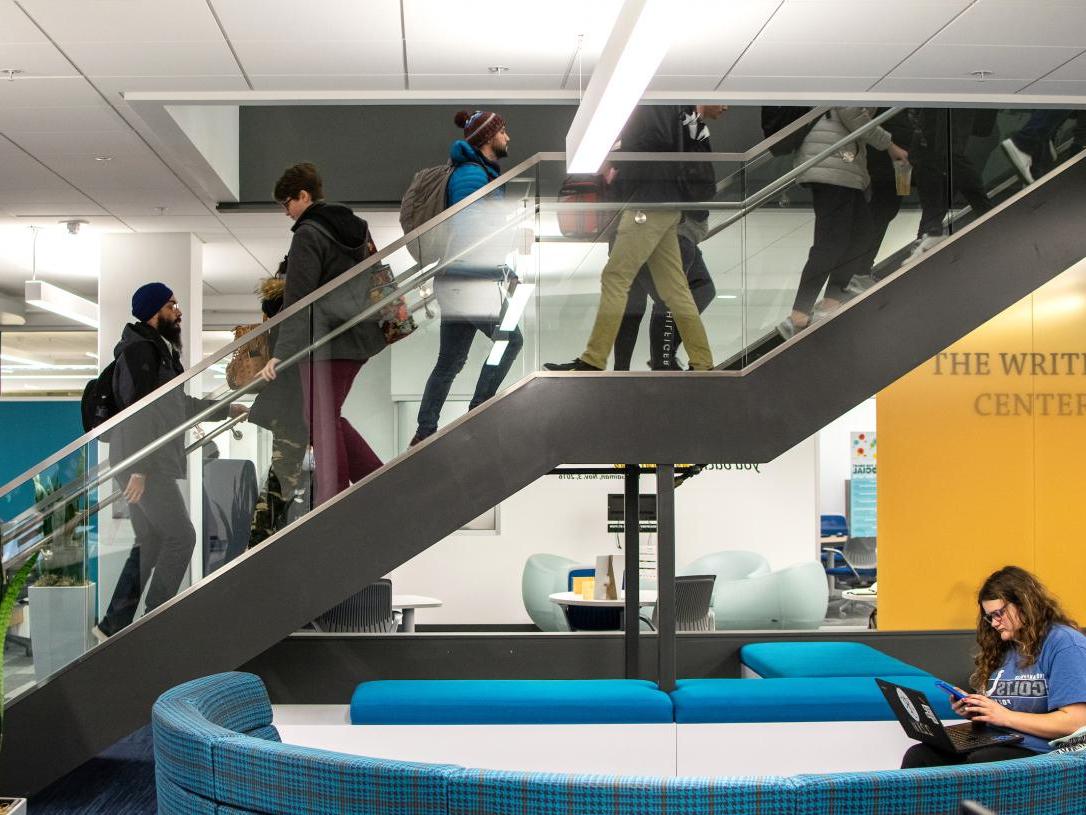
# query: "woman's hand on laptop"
958,706
980,708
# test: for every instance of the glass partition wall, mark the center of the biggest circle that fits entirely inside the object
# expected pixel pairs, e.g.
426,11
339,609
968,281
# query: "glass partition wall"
395,344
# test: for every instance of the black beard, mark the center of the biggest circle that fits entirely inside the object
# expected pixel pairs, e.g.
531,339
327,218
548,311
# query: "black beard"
170,331
500,152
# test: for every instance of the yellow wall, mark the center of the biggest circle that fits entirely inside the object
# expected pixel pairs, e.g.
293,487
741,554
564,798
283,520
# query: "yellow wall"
961,493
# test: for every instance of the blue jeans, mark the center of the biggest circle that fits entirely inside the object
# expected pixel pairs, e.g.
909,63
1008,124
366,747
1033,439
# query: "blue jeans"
1039,130
467,305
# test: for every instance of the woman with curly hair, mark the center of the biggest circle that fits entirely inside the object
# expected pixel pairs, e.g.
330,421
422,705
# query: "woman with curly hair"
1030,672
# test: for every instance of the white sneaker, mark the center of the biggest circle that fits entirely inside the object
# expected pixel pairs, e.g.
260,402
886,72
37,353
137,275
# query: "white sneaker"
860,283
925,244
1020,160
100,635
787,329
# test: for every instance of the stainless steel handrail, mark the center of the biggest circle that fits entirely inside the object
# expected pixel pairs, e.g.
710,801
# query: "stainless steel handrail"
785,180
425,275
20,557
512,175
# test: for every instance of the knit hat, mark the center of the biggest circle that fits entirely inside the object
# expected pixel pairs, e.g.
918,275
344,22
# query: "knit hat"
480,126
148,299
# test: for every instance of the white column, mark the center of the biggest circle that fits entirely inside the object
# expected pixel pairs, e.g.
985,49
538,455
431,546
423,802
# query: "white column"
128,262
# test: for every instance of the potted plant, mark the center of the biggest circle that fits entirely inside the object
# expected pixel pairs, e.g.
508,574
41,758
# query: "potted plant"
12,806
62,600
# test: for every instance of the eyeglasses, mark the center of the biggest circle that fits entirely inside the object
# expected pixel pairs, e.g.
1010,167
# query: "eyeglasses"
996,615
285,203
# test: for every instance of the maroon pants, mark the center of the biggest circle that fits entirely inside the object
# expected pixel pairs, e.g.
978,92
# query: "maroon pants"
342,455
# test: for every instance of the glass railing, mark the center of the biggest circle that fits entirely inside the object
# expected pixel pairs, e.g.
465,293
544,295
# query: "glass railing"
163,494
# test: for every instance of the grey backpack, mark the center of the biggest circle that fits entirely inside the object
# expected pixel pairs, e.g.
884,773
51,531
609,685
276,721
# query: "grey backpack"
423,200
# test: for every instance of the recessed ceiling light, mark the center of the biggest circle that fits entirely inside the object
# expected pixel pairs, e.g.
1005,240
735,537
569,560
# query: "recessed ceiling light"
12,73
103,158
980,75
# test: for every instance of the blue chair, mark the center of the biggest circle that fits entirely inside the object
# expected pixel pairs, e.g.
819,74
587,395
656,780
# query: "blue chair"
834,526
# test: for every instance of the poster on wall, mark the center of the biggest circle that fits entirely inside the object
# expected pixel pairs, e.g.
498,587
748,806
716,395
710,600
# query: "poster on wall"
863,485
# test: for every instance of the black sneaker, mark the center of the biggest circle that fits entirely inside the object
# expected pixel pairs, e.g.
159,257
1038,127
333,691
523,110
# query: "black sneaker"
576,365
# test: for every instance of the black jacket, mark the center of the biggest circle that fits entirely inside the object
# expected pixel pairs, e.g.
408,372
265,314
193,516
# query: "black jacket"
145,363
653,129
328,240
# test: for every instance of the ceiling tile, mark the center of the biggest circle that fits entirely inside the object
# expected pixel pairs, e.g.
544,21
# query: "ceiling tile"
798,84
327,57
704,58
52,92
85,144
208,224
1057,87
683,83
125,20
96,178
59,120
928,84
114,86
1075,69
325,82
152,58
471,24
855,21
487,82
15,26
288,21
843,59
537,56
1004,61
36,59
1018,22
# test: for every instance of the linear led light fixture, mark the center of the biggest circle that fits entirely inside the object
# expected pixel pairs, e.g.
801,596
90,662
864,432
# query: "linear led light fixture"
628,62
57,300
515,309
497,352
30,363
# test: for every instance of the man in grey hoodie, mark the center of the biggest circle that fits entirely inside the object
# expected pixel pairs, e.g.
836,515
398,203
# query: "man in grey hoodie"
329,240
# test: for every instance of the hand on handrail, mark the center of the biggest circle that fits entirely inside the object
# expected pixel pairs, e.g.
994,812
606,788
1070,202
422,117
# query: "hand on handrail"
267,373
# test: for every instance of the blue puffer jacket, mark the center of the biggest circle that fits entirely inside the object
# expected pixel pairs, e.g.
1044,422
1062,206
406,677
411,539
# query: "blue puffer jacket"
471,172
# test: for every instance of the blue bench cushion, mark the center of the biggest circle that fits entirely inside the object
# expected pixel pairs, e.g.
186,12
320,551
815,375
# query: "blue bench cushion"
773,660
822,699
512,701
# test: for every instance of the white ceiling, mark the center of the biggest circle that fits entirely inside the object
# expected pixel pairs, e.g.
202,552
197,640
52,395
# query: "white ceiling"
80,56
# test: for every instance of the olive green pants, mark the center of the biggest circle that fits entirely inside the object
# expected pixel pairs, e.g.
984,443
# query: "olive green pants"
656,243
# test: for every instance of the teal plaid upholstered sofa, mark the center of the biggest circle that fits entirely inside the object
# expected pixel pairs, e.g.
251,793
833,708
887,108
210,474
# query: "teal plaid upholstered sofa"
217,753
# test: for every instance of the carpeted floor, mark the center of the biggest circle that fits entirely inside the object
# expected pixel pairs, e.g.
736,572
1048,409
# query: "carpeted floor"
119,781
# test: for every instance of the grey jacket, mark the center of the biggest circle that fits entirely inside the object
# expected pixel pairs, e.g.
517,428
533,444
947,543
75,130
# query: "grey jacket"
328,241
848,166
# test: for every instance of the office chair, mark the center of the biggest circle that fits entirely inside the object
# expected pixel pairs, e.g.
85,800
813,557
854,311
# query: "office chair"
859,569
693,604
368,611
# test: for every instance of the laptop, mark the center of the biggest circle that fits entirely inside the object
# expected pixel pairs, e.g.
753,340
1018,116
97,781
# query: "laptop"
920,722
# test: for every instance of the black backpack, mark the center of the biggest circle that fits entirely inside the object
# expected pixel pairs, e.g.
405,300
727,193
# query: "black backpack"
98,403
777,118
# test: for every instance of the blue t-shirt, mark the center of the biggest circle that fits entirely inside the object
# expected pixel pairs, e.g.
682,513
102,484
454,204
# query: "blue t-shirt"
1058,679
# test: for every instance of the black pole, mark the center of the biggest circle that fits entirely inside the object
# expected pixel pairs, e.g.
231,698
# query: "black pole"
665,565
632,519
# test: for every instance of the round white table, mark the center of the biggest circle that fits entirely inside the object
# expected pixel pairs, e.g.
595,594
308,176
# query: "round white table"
867,595
565,599
407,603
646,597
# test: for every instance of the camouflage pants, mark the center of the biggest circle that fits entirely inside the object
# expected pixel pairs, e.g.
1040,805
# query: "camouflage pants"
284,476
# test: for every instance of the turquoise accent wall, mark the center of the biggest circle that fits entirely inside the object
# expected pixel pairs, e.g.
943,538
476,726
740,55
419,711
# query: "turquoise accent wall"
31,431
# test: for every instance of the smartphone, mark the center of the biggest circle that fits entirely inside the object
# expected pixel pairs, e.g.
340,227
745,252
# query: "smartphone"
953,691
